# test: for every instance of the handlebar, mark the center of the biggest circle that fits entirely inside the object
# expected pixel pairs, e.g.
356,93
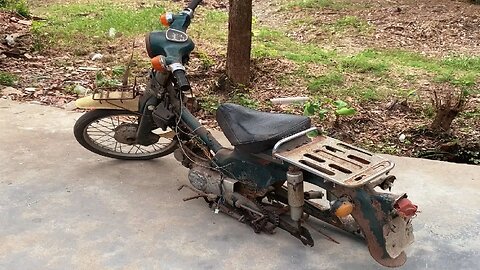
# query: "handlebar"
182,81
193,5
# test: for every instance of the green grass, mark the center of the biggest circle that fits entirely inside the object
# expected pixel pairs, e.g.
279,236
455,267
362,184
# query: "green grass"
273,43
316,4
326,81
390,67
361,63
7,79
78,24
67,25
19,6
210,26
350,22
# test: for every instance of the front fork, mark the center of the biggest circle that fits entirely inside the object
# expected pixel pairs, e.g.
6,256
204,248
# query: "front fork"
144,132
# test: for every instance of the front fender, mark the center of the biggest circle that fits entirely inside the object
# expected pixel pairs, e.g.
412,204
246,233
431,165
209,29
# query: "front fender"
89,103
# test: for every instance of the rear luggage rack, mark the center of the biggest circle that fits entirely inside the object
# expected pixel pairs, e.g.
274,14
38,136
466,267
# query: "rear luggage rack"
333,160
120,92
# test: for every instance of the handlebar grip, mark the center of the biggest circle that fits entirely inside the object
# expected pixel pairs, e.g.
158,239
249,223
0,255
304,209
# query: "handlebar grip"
193,5
182,81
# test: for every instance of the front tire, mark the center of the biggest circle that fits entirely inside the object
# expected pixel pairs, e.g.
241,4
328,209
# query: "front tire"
111,133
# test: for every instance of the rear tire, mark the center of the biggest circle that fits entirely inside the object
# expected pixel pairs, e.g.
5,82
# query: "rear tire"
99,131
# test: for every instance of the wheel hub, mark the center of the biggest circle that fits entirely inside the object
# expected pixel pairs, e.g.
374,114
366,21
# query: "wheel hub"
126,133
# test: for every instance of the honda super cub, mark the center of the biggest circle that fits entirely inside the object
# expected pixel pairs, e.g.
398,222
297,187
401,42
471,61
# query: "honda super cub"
260,181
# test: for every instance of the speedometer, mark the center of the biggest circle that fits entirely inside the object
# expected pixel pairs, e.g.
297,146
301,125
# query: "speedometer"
176,35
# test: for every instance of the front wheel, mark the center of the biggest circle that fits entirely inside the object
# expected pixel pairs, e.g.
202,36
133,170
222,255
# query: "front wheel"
112,133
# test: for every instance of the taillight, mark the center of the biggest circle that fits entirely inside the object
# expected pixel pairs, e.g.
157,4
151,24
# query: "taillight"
406,208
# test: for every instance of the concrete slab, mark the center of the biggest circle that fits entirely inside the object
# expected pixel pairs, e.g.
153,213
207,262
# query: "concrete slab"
62,207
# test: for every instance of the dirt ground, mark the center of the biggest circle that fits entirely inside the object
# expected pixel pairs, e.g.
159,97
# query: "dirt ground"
439,28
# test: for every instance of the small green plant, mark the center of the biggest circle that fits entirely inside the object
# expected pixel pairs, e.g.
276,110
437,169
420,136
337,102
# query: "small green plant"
7,79
209,103
245,100
206,60
103,81
118,71
342,108
322,109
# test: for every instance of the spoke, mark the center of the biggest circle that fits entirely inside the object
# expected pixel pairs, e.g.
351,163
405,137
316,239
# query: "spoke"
145,150
118,121
133,146
97,137
109,128
99,130
113,124
106,140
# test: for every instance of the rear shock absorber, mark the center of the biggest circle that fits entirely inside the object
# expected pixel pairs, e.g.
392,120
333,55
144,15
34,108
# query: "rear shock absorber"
295,193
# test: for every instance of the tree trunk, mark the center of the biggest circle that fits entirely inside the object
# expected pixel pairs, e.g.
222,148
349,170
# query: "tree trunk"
239,41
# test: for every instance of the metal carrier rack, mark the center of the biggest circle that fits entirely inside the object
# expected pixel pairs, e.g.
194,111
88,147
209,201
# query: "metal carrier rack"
333,160
116,92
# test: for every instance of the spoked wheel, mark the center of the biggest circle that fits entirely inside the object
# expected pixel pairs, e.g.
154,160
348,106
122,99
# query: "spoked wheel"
112,133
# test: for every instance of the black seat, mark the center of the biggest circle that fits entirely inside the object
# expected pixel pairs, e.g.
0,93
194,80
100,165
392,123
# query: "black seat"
253,131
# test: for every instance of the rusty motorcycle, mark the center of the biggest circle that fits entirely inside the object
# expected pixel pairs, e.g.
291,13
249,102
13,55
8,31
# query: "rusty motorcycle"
260,181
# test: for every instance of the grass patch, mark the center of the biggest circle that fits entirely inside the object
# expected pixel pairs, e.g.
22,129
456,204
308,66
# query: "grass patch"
69,24
19,6
217,24
7,79
361,64
316,4
273,43
350,22
326,81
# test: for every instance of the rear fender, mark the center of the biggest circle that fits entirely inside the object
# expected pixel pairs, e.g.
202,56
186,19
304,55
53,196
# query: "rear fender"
373,213
89,103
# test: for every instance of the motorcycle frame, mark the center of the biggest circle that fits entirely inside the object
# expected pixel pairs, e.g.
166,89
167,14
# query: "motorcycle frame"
264,170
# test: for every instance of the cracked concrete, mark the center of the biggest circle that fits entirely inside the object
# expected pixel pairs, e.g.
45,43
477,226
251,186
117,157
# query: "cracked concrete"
62,207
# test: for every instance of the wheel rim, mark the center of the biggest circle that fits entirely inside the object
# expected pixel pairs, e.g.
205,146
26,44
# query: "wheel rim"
100,134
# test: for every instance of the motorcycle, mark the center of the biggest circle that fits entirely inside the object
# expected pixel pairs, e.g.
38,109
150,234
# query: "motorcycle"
260,181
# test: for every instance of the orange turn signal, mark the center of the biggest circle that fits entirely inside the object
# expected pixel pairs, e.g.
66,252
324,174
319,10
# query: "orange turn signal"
342,207
165,20
158,63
